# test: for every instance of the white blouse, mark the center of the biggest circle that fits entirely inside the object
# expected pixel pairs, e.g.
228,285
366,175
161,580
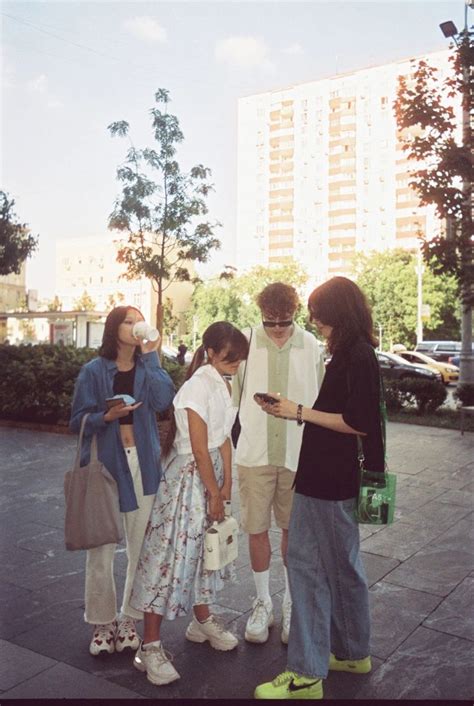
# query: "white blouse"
207,394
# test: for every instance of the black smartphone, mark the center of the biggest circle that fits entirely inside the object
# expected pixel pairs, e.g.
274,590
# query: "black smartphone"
265,398
114,402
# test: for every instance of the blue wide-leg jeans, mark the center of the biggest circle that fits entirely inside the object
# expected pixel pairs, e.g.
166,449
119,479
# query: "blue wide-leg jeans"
328,585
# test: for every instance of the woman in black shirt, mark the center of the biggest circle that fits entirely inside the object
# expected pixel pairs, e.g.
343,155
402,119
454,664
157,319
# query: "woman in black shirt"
330,625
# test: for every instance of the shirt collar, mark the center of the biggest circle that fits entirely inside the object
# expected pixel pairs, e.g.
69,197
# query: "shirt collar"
296,339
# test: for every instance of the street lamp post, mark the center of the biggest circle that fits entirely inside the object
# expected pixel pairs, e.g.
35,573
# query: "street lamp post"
462,39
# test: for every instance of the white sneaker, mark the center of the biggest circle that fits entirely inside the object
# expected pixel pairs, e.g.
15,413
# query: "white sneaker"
126,635
260,620
103,639
153,660
214,631
285,622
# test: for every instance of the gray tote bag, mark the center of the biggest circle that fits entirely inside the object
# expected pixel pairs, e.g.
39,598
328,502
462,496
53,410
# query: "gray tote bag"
92,502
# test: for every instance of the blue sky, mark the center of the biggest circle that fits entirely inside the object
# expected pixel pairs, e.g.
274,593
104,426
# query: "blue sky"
71,68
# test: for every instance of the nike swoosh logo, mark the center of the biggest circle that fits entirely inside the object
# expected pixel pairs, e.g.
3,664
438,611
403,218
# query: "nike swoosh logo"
297,687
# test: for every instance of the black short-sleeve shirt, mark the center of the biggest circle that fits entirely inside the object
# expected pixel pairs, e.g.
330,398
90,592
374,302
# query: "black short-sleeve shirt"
328,462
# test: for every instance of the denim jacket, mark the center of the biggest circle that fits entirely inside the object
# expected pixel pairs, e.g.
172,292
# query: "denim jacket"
154,388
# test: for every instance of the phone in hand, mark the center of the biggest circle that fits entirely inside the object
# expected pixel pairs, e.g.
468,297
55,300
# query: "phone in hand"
119,400
264,397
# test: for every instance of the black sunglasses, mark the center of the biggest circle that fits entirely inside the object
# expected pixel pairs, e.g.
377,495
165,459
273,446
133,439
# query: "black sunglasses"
272,324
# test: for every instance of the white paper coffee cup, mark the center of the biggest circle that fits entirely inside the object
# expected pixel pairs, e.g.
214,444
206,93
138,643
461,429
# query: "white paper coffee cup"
144,331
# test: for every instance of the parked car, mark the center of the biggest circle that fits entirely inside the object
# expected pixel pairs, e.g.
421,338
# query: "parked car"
393,367
439,350
450,373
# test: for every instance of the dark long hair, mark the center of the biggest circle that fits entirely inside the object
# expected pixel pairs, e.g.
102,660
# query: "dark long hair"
109,346
219,336
340,303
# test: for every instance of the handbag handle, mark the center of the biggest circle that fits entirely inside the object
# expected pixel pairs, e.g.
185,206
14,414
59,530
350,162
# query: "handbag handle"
245,371
94,454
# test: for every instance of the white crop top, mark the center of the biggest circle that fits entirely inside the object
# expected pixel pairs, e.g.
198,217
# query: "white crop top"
207,394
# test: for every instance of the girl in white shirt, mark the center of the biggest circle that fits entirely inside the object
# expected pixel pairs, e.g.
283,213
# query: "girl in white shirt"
196,481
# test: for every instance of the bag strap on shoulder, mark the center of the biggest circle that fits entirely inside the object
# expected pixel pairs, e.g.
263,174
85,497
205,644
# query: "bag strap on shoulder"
245,371
94,452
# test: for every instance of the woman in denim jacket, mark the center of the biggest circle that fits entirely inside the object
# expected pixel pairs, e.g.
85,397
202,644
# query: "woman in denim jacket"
129,447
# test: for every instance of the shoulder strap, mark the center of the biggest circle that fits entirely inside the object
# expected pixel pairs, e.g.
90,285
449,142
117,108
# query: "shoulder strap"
245,371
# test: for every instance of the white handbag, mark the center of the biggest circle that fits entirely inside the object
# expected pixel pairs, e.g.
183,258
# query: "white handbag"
221,544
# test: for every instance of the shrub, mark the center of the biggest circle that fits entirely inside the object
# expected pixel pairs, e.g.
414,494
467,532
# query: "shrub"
465,394
37,381
425,395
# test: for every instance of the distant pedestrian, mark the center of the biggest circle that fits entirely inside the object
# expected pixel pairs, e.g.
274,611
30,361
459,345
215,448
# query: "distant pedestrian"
330,627
182,350
197,479
129,447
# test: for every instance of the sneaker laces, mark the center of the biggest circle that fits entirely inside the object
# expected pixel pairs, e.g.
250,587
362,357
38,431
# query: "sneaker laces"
283,678
104,631
159,651
219,625
127,626
260,613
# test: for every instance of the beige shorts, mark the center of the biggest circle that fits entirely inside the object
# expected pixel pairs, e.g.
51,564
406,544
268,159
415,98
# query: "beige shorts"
261,489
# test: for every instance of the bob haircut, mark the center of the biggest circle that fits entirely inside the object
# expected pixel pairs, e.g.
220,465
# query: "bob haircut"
278,299
109,346
340,303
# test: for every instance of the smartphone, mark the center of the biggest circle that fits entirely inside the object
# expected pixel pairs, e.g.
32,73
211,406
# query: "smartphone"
265,398
119,400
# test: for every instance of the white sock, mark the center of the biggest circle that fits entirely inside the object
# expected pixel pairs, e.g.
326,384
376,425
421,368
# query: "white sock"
287,596
262,584
157,643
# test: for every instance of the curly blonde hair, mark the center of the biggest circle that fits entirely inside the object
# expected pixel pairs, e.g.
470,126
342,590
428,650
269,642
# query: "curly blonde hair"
278,299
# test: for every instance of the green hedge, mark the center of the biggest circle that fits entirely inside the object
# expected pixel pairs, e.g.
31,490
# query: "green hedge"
37,381
425,395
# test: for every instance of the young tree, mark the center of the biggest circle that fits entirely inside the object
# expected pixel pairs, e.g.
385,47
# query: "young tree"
16,242
389,281
160,207
84,303
426,119
55,304
170,321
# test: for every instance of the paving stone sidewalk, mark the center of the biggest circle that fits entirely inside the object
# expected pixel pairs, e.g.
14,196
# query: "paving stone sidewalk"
420,570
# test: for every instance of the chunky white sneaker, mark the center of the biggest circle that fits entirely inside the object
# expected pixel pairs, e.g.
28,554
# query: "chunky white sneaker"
153,660
214,631
260,620
126,635
285,622
103,639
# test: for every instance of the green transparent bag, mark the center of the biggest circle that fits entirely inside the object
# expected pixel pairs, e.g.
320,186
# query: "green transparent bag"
376,499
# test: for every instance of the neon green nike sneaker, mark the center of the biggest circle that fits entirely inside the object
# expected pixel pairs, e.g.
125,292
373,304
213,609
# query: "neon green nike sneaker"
356,666
289,685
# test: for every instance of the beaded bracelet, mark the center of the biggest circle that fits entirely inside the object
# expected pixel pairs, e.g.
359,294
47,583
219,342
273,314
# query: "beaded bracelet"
299,415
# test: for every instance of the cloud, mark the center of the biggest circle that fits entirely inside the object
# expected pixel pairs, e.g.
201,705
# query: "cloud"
38,84
293,49
244,53
54,103
146,28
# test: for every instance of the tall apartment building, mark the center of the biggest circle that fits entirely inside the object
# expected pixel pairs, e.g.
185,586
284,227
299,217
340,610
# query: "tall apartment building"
322,175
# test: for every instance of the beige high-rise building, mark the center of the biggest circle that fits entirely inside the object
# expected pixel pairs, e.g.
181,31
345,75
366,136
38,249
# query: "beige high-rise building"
322,175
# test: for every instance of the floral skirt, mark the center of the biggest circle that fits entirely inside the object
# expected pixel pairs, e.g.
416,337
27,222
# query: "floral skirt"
170,576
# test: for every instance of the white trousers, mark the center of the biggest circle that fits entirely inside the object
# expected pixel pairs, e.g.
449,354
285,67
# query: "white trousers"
100,594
